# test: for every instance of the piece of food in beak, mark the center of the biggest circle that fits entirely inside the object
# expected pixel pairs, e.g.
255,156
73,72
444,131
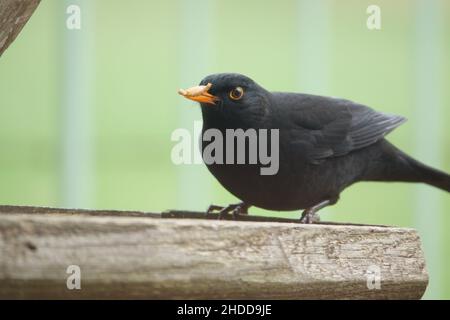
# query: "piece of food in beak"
199,94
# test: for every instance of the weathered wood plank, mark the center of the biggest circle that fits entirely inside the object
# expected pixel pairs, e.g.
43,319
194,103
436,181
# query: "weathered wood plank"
146,257
170,214
14,14
7,209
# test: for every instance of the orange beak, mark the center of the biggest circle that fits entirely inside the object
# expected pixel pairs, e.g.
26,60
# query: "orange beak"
199,94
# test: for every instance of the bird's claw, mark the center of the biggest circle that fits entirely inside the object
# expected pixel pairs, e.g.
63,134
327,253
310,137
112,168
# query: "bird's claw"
309,217
234,209
212,208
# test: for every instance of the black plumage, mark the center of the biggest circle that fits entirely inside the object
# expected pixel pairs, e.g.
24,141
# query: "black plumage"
325,145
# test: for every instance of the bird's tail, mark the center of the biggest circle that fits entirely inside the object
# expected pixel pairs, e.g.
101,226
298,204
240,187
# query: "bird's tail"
431,176
401,167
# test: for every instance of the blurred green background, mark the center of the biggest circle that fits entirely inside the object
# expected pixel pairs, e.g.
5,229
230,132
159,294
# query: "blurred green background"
86,115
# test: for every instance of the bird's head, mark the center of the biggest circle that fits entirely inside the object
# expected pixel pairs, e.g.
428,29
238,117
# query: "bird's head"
230,95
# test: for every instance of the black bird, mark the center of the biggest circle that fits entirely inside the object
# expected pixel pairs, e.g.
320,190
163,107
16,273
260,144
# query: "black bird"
325,145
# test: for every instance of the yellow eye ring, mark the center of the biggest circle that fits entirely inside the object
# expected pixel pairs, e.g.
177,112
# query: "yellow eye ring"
236,93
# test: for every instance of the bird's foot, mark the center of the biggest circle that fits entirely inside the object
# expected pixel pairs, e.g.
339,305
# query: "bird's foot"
309,216
212,208
234,209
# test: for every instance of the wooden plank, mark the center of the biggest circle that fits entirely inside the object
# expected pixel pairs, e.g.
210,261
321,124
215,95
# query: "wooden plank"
170,214
147,257
14,14
5,209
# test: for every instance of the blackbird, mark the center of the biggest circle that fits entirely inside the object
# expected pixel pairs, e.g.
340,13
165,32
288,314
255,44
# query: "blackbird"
325,145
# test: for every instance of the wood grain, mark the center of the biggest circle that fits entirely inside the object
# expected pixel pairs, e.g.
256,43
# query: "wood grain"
14,14
147,257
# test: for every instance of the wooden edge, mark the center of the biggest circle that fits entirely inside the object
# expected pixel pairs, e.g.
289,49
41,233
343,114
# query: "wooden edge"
169,214
14,14
9,209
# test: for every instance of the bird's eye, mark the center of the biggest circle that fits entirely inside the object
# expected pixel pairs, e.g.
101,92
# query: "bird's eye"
236,93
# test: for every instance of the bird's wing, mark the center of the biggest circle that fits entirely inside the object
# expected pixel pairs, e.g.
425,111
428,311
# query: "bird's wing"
327,127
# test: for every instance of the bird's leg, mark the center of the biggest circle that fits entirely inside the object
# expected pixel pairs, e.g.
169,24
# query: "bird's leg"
235,209
310,215
213,208
242,208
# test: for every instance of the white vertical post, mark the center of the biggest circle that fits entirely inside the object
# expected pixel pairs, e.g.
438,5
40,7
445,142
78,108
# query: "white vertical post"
314,51
195,62
428,113
313,38
76,134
